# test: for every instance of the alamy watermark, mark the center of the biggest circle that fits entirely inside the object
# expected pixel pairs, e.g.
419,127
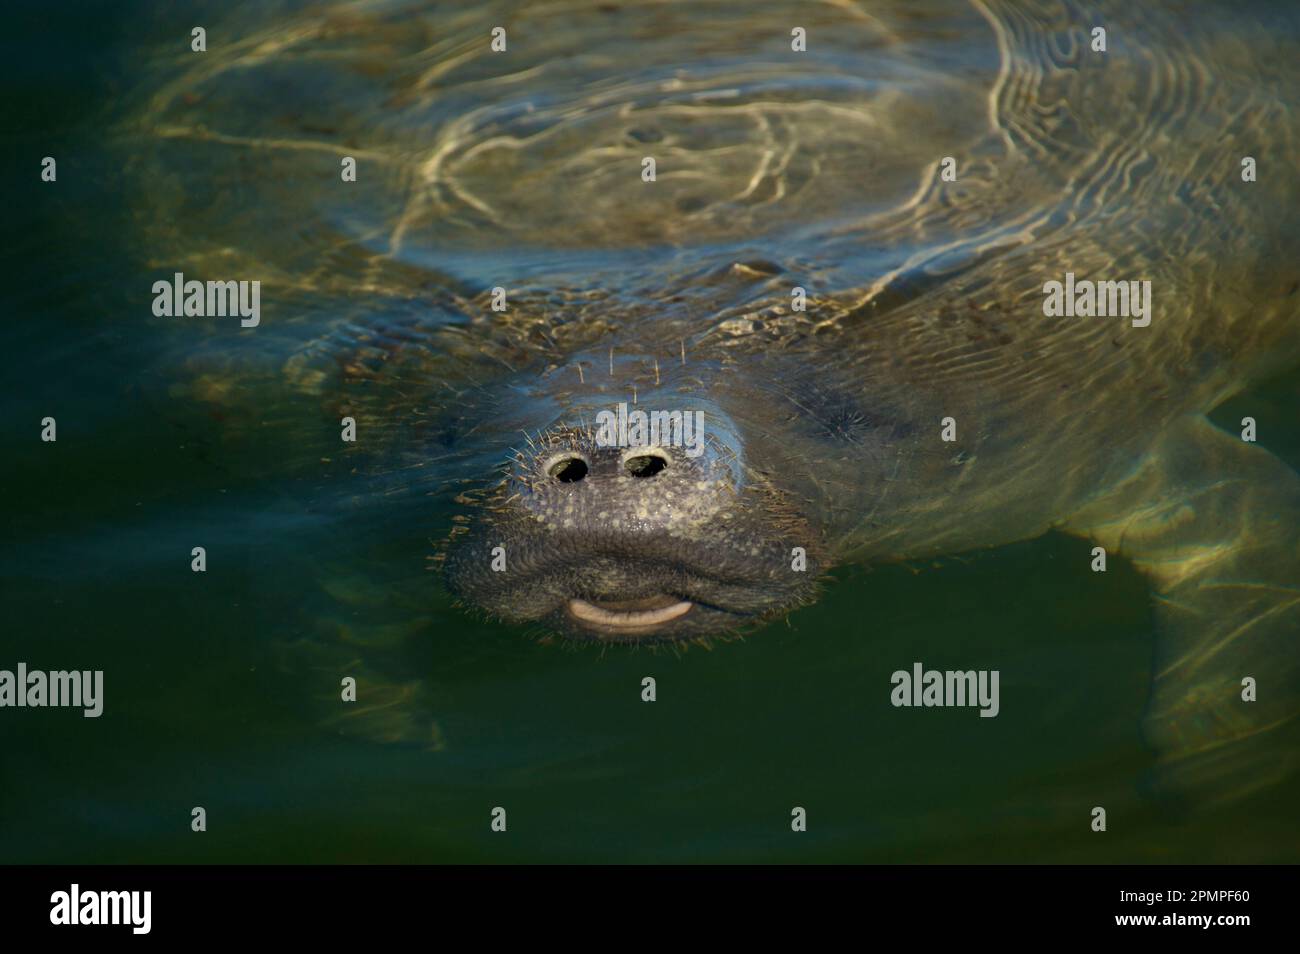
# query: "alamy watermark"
36,689
636,428
1087,299
195,299
934,687
74,907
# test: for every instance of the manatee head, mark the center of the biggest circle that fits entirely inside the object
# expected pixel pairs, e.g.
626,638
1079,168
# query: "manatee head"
637,510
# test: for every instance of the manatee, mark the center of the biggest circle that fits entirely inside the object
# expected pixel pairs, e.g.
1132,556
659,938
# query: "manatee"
841,272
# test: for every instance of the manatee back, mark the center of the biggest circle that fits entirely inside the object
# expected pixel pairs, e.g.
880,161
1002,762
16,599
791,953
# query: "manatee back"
525,168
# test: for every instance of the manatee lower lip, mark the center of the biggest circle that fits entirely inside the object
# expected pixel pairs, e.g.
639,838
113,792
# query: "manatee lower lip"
630,615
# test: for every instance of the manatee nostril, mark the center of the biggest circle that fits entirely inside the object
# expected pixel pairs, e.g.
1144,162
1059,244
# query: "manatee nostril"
645,465
568,470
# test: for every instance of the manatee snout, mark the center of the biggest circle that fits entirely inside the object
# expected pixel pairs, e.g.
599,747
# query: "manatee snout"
645,543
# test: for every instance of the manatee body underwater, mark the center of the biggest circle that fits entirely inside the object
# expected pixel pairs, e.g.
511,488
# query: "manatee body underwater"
881,302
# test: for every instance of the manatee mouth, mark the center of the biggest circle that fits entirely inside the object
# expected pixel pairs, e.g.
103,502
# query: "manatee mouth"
604,545
628,617
605,598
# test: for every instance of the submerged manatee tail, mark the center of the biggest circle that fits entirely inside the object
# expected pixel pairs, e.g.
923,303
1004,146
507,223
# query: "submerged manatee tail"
1214,524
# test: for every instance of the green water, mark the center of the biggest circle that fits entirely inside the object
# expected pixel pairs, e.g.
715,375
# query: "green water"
221,688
